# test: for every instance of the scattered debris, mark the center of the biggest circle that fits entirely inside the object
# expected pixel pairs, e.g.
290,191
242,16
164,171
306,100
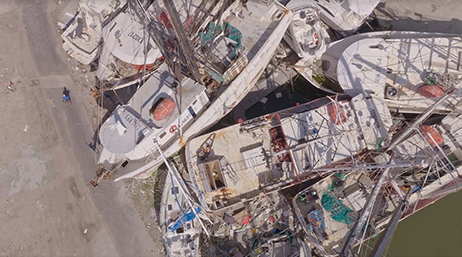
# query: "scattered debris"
35,82
11,86
100,174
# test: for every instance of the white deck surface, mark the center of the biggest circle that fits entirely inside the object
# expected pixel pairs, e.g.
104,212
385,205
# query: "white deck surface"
120,133
182,241
82,37
373,64
344,16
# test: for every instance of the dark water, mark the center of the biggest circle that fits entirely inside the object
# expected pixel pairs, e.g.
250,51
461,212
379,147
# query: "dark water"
297,92
288,95
433,231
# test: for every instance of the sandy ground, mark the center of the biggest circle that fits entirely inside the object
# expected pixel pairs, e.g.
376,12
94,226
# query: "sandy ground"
47,207
443,16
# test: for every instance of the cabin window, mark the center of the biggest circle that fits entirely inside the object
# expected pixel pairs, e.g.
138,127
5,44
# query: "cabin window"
325,65
169,207
140,138
378,46
163,134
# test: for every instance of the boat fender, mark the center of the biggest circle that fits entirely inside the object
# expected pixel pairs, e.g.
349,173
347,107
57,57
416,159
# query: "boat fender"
173,128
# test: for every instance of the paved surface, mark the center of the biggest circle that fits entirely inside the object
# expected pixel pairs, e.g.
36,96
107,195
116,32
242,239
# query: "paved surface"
47,206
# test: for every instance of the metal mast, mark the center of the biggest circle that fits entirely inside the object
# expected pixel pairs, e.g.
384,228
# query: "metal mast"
387,235
184,50
172,42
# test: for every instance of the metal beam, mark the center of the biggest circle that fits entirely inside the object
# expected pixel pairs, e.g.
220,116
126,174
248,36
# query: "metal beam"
387,235
183,40
367,210
417,122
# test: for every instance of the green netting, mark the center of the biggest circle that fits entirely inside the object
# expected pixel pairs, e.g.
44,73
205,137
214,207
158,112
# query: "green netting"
339,212
378,144
210,33
235,35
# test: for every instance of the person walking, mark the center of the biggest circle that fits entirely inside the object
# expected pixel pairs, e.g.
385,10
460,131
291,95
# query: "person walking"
66,97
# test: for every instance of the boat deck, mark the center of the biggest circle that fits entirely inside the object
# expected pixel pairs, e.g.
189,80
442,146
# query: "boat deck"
395,69
131,123
440,161
240,39
239,162
162,85
329,209
236,167
316,142
223,90
86,42
184,241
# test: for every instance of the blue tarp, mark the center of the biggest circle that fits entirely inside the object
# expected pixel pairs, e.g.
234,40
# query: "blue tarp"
185,218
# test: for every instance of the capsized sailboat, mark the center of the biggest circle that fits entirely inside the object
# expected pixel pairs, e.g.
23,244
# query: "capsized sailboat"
128,52
343,16
179,219
307,36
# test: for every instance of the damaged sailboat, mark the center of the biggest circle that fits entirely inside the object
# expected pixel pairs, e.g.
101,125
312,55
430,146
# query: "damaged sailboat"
236,164
228,59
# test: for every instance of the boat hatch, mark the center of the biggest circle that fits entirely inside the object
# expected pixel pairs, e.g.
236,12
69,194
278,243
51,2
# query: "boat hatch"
215,175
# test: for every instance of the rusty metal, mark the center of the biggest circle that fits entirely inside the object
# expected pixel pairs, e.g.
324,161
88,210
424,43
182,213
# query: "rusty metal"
206,147
101,173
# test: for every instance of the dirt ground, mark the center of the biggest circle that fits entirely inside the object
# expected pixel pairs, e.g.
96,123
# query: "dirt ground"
47,207
442,16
